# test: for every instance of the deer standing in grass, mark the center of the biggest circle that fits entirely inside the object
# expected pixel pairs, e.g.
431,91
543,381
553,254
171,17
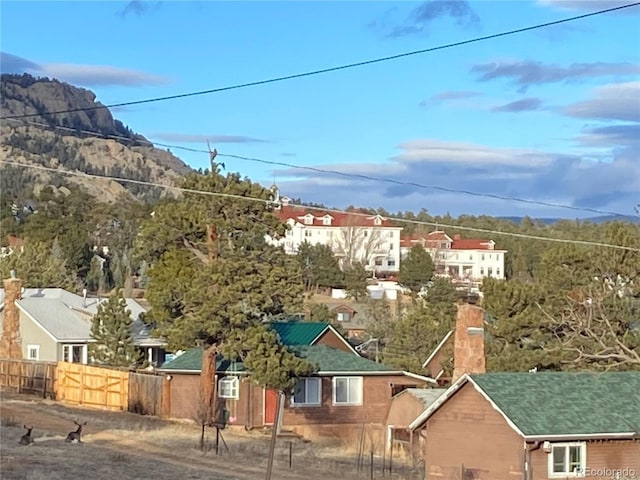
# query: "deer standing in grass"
74,437
26,438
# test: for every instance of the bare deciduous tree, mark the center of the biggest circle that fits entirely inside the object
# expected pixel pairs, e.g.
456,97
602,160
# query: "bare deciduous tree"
596,329
356,244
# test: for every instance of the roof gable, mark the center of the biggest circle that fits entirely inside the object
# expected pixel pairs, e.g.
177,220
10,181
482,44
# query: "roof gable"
566,403
558,404
298,333
439,347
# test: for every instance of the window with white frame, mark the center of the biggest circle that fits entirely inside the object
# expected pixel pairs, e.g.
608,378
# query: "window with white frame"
307,392
347,390
326,220
567,460
342,316
74,353
33,352
308,219
308,233
228,387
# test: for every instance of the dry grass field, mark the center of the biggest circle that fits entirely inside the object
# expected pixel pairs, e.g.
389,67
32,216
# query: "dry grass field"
120,445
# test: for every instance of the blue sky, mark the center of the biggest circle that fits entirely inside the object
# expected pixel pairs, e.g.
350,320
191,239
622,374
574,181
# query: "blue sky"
551,115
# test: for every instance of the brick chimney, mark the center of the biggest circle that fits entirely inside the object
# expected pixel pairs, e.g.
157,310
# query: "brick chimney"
468,341
10,342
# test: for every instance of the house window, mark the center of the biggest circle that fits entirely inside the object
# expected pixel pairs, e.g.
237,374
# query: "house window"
33,352
391,262
74,353
378,262
308,220
481,270
490,271
307,392
482,257
342,316
347,390
326,220
377,221
307,233
228,387
568,459
498,271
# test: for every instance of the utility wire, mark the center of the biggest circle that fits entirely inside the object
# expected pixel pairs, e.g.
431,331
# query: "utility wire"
332,69
322,209
332,172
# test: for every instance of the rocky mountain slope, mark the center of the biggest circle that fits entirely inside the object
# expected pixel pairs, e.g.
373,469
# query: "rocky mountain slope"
58,141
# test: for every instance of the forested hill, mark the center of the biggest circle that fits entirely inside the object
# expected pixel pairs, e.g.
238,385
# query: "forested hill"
58,141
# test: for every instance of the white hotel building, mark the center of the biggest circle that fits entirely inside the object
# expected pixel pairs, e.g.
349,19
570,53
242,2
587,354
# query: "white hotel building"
353,237
460,259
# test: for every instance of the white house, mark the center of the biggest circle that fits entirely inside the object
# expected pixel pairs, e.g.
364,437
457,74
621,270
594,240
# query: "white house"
353,237
55,325
460,258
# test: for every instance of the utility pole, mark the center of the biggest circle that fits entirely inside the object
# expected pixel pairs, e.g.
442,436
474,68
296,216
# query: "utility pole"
274,435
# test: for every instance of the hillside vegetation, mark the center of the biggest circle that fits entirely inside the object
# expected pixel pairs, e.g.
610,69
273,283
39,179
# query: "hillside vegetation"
57,141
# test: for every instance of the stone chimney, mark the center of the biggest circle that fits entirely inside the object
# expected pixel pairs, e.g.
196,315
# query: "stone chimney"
10,342
468,341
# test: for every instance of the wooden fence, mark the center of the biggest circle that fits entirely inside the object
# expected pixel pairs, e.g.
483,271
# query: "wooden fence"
92,386
149,394
27,376
96,387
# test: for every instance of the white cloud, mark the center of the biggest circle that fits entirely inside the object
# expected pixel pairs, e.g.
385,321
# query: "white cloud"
82,75
619,101
438,175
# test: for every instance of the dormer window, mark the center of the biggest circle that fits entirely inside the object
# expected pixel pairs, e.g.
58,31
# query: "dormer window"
326,220
377,221
308,219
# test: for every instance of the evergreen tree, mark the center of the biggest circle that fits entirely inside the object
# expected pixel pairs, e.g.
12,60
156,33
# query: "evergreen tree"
214,280
320,267
111,328
355,279
40,266
416,269
421,327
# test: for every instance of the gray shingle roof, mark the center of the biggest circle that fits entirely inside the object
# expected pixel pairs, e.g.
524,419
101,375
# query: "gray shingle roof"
66,316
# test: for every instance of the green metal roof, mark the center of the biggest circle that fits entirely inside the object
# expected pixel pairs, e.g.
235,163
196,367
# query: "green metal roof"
298,333
191,360
325,359
566,403
328,359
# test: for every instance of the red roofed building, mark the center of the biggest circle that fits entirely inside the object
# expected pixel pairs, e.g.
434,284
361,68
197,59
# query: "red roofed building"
458,258
353,236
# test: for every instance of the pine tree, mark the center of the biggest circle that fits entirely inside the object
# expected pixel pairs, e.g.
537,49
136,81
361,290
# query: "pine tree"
416,269
214,280
111,330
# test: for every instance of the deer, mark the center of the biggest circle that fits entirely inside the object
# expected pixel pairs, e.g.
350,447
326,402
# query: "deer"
74,437
26,438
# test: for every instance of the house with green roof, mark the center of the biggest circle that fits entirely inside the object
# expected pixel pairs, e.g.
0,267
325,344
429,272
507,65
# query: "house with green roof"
533,426
345,392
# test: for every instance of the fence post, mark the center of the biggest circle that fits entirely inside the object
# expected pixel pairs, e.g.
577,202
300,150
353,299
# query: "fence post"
290,454
371,465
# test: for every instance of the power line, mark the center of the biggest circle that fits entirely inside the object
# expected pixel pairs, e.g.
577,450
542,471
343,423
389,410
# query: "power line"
334,172
332,69
322,209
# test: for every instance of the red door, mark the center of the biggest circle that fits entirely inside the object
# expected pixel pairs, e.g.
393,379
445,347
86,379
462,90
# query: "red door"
270,397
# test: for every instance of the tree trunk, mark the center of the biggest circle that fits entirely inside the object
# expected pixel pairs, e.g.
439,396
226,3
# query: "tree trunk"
208,383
